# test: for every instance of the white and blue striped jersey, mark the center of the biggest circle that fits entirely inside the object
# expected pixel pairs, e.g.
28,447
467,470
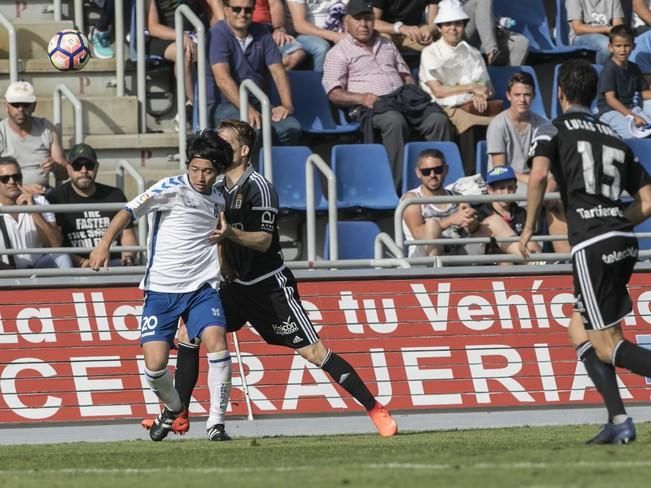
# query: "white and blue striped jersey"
180,257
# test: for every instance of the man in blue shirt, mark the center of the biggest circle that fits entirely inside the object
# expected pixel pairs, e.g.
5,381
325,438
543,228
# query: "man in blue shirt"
240,49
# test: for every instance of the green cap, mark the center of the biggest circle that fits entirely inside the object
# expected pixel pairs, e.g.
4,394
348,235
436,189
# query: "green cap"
82,151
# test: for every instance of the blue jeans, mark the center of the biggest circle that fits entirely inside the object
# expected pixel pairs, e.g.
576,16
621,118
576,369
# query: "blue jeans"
316,47
286,132
594,42
621,124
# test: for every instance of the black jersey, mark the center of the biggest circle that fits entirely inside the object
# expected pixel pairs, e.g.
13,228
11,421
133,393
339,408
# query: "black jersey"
252,206
592,167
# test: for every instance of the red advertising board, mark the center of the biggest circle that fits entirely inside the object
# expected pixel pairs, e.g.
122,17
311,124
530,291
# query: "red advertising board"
451,343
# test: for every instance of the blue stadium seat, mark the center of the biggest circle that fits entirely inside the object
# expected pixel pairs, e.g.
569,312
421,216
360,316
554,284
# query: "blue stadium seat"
645,226
412,149
500,78
481,162
532,22
642,149
312,107
556,106
355,239
364,179
289,178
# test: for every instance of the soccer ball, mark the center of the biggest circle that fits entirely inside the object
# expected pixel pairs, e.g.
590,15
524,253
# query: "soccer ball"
68,50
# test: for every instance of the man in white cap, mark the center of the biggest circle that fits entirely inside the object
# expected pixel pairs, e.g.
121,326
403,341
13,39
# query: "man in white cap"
33,141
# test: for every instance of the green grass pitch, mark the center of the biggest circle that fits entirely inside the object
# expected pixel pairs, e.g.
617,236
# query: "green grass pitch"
518,457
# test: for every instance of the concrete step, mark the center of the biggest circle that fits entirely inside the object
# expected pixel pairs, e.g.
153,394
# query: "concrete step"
102,115
33,10
33,37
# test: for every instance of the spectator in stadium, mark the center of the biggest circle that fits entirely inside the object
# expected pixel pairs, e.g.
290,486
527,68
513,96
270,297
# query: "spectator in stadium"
318,24
501,46
590,22
641,19
621,83
454,74
258,288
273,14
182,277
508,136
26,230
31,140
449,220
365,72
593,167
100,35
501,180
240,50
85,228
410,28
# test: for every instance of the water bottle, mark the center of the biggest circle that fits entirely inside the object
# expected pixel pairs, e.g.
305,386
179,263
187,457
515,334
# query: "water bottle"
506,22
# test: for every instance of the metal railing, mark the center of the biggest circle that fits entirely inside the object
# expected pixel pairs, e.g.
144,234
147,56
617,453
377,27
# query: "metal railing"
249,86
316,160
121,167
59,91
13,48
185,11
141,77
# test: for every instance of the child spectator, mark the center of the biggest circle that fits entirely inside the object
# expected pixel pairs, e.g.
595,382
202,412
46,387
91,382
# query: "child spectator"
623,91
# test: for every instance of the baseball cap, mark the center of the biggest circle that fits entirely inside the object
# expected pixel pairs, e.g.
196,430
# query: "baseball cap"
358,7
450,11
82,151
20,92
500,173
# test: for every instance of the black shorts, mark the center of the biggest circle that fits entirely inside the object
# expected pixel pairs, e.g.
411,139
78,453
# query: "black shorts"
601,273
157,47
273,307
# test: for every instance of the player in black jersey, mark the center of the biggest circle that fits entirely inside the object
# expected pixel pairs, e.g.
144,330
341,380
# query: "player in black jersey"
257,285
592,167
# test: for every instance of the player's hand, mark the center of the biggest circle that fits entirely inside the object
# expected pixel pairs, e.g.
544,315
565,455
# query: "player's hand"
99,257
222,231
279,113
254,118
229,274
525,237
25,197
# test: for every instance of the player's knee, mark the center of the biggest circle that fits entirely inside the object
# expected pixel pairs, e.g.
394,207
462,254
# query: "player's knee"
314,353
604,352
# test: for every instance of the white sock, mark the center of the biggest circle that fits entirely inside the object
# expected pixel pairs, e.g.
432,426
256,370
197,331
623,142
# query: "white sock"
219,385
162,385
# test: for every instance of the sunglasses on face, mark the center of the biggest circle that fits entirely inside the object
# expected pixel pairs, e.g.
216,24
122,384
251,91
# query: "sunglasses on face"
237,10
437,170
20,105
17,177
89,165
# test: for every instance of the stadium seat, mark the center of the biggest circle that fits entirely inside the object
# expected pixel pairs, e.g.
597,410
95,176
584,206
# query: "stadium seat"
355,239
312,107
531,19
289,178
556,106
642,149
481,163
500,78
364,180
412,149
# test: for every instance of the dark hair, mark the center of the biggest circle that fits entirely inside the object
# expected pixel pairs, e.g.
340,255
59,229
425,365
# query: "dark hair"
208,145
7,160
621,30
578,81
245,133
523,78
431,153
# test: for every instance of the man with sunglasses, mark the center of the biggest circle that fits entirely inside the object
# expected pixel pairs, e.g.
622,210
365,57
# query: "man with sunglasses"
26,230
241,49
85,228
33,141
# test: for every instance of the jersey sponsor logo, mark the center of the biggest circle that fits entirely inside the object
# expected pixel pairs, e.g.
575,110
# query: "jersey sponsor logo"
238,201
268,220
599,212
287,327
148,325
615,256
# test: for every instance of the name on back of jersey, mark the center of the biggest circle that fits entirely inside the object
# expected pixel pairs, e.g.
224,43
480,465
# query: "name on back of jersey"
581,124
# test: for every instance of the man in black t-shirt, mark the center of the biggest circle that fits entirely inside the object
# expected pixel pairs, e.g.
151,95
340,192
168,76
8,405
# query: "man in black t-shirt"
85,228
592,167
405,21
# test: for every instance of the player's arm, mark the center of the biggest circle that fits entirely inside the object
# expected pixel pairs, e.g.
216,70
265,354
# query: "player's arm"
100,255
257,240
538,178
581,28
640,209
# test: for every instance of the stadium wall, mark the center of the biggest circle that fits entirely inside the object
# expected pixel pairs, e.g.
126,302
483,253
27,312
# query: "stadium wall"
423,342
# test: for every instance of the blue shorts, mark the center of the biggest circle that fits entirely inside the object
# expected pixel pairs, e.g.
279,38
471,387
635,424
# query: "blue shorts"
198,309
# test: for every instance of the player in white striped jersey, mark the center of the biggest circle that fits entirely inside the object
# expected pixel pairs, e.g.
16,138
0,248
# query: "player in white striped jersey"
182,276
